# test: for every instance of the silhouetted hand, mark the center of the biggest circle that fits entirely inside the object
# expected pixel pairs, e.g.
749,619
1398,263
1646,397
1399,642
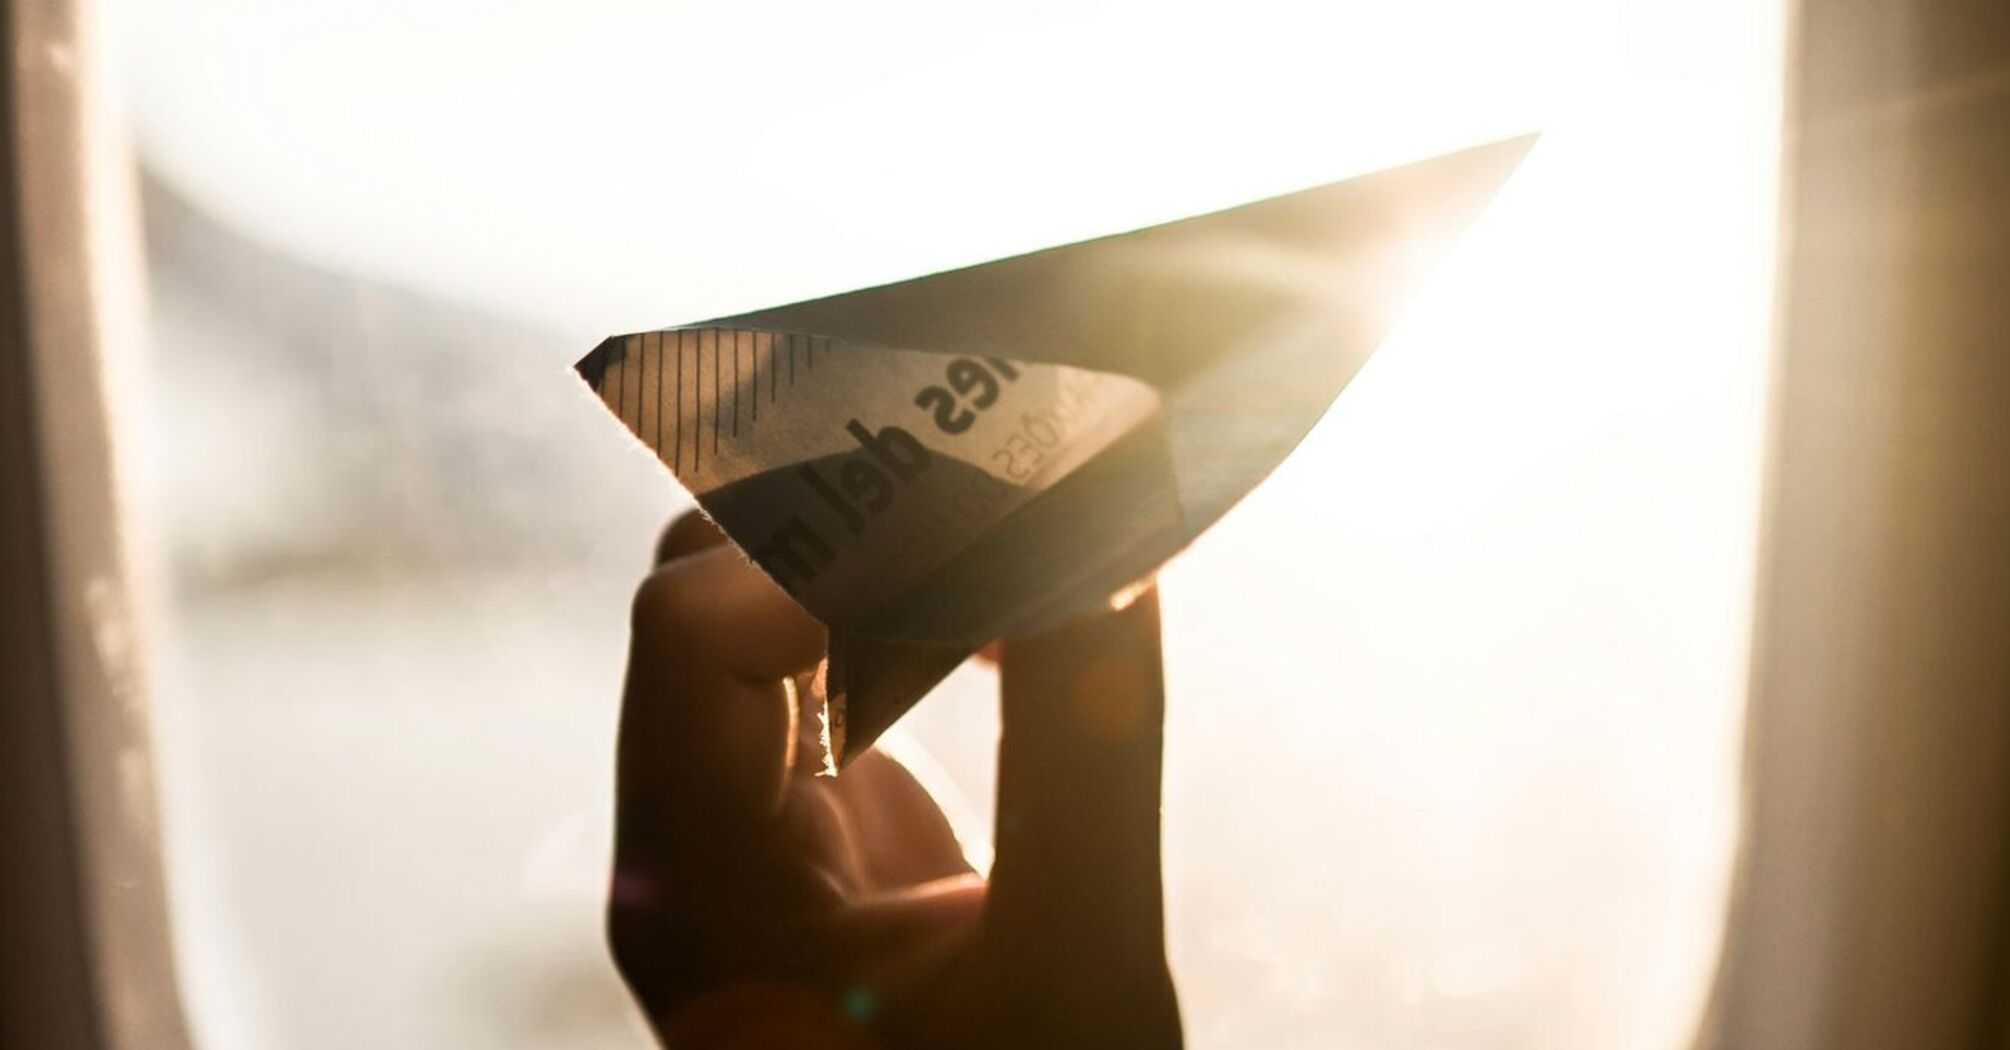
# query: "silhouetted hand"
757,904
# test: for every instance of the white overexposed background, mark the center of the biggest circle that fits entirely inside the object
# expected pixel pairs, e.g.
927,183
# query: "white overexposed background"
1456,694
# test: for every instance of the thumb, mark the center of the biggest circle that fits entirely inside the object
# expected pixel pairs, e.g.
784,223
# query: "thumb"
1076,902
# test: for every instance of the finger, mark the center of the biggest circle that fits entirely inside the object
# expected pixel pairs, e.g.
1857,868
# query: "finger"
688,533
892,945
887,927
707,723
903,838
881,964
1075,888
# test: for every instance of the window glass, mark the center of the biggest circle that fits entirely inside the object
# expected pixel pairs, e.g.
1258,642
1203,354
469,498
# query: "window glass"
1455,694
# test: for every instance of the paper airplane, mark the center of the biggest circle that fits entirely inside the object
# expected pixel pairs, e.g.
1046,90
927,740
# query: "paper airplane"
932,464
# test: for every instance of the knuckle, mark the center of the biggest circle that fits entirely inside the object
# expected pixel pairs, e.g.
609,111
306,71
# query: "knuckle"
625,945
634,944
688,533
663,602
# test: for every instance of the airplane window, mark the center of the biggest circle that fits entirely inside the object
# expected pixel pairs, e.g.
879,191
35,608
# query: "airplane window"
1455,695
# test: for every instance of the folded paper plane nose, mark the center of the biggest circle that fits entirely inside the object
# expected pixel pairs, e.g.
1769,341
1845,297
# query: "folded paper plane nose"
931,464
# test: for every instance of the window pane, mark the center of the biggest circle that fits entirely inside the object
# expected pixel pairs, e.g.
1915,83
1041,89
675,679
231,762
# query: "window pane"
1455,694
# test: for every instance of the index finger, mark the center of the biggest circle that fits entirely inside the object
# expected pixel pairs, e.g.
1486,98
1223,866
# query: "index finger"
707,723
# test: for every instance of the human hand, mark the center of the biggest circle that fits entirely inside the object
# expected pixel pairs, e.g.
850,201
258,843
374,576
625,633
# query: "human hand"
757,904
